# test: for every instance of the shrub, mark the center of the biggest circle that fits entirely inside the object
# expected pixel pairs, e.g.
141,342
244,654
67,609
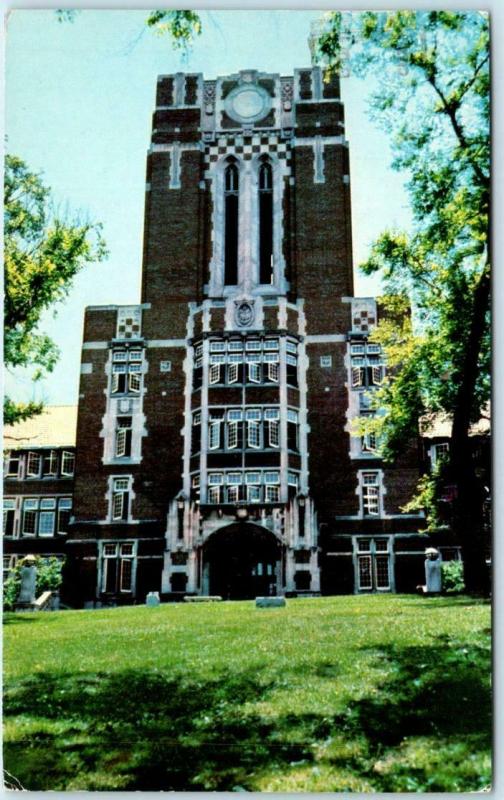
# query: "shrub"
49,578
453,577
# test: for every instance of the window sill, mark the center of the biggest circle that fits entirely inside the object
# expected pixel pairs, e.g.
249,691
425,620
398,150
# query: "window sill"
120,461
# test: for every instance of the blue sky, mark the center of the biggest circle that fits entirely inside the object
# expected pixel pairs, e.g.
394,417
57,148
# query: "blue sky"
79,102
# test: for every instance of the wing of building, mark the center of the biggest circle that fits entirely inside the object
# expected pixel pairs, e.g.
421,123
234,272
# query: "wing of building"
38,484
214,449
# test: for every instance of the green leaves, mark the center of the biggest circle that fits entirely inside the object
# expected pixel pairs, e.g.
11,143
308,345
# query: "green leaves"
49,578
433,101
43,253
182,26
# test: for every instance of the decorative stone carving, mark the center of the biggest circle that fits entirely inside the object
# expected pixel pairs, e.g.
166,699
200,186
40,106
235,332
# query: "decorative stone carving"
209,97
247,103
244,313
287,94
129,322
364,314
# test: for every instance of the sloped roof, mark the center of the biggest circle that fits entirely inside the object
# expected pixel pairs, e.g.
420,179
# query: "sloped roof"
54,427
440,425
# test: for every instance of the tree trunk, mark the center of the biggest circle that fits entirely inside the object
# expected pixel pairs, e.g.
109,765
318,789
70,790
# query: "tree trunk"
468,504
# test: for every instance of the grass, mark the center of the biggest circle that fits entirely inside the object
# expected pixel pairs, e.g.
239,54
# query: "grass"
379,693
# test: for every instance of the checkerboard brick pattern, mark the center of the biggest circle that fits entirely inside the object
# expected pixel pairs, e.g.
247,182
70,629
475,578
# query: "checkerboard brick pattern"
247,147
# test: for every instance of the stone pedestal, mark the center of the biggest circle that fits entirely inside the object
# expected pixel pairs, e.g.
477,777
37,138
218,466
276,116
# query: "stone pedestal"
27,592
433,573
270,602
152,599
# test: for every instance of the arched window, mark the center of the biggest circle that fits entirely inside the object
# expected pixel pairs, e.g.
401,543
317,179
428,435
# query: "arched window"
231,225
265,223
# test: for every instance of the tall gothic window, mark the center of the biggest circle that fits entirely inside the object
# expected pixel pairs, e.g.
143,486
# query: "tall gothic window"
231,225
265,223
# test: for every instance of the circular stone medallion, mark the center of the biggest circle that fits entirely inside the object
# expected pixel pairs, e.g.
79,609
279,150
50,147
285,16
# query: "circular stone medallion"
247,103
244,314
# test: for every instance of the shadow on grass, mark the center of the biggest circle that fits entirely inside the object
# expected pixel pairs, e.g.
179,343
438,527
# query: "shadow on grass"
447,601
155,732
145,731
11,618
439,692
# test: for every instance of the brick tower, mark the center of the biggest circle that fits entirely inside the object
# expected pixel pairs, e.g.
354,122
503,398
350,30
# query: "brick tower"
215,452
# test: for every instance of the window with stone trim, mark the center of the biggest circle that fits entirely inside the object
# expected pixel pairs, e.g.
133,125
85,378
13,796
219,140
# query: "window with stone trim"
373,563
250,361
367,369
215,438
293,481
265,179
272,424
371,489
117,566
369,443
198,367
123,437
292,430
234,429
196,432
231,202
120,499
126,371
252,486
9,513
253,428
195,487
253,417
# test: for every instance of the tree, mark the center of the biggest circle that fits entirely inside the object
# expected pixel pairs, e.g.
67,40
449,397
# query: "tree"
181,26
433,99
43,253
49,578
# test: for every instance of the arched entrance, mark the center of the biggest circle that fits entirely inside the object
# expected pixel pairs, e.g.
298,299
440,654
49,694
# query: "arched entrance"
242,561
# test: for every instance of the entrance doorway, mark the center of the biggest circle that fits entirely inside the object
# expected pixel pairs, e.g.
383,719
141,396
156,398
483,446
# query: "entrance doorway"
240,562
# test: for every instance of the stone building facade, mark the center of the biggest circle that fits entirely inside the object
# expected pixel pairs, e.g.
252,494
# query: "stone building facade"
215,448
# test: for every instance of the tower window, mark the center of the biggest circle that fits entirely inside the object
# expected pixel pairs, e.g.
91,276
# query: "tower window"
231,184
265,223
371,491
126,372
123,437
120,499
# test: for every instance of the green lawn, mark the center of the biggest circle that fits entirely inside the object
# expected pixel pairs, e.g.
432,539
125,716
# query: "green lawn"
380,693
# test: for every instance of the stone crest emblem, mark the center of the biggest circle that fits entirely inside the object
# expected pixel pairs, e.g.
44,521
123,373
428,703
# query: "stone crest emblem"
244,313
